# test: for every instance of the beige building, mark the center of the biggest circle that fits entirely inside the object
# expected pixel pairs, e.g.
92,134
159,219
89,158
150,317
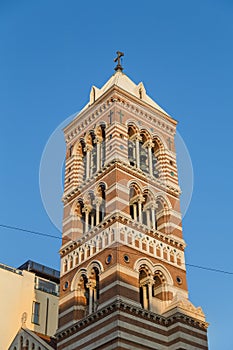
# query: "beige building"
28,298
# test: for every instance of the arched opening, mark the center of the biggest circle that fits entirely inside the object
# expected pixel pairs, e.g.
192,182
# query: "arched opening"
144,161
157,284
143,290
103,146
83,285
149,210
80,151
21,343
132,136
79,212
100,203
162,214
93,284
135,202
155,153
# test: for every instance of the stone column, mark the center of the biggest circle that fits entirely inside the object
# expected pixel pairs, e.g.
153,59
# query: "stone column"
149,145
140,201
150,283
145,300
88,150
86,210
153,215
98,154
92,220
91,285
97,202
137,138
90,299
135,211
148,217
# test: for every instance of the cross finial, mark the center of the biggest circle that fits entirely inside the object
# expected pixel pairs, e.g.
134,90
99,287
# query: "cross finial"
118,60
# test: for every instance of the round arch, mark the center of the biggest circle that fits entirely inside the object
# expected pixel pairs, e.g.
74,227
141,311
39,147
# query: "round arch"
76,278
160,141
144,132
143,262
76,203
160,196
164,271
94,264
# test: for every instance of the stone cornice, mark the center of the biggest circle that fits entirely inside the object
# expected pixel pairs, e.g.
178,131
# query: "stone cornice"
113,97
173,190
121,218
120,305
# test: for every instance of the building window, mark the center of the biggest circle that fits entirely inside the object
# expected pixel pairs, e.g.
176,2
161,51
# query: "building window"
35,312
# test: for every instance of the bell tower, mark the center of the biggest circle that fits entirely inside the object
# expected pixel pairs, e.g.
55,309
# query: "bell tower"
123,275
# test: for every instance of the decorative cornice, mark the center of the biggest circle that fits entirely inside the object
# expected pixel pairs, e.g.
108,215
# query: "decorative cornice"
120,305
123,219
116,95
166,186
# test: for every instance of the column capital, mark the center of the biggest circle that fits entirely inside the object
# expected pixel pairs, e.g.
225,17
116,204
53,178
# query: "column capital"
149,144
88,148
140,199
147,281
98,139
87,208
91,284
98,201
136,137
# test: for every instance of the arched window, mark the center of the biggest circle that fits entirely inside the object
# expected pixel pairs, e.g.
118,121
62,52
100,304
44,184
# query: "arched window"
143,149
145,287
21,343
99,203
80,213
93,284
155,154
157,285
89,211
84,290
94,151
142,207
80,160
102,140
132,145
135,202
93,155
162,214
149,211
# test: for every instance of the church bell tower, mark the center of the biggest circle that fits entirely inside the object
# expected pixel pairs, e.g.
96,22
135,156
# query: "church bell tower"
123,275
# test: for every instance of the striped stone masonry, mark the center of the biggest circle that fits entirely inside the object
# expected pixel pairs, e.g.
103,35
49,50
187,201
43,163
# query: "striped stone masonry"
123,326
123,274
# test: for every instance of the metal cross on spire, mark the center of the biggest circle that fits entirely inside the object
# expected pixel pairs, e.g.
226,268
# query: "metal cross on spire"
118,60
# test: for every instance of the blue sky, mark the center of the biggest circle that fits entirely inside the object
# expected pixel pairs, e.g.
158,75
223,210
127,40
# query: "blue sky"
51,52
